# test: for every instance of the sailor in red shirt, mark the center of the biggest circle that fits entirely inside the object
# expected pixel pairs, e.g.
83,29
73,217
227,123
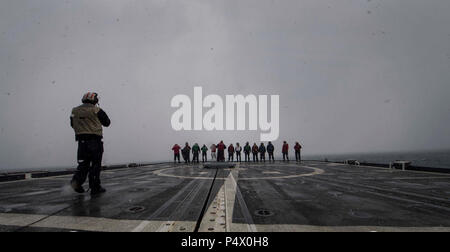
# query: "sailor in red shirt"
176,153
221,152
285,151
213,152
297,149
231,153
255,151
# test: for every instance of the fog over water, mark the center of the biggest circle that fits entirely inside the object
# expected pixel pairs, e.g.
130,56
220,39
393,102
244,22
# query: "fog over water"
352,75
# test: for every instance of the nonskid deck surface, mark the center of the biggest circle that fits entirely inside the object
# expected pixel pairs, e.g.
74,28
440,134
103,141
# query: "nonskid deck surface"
310,196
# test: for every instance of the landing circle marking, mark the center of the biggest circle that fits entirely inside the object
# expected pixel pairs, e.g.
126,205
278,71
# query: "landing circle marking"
315,171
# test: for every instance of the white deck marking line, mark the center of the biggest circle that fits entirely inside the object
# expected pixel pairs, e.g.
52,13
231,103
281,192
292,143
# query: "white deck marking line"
271,172
141,227
97,224
72,172
232,192
316,171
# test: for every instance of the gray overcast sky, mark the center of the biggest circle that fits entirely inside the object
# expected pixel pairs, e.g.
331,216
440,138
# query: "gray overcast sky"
352,75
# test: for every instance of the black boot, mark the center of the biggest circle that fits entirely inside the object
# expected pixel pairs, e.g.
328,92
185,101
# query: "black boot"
76,186
97,190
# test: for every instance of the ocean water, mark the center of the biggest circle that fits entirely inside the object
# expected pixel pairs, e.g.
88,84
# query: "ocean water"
435,159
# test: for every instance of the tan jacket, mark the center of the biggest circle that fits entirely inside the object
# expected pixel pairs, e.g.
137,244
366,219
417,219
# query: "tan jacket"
85,120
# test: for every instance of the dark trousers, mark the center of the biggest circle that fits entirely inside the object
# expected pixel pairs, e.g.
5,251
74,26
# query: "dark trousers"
204,157
285,156
255,157
230,156
271,158
263,156
221,156
298,156
195,157
238,156
247,156
176,156
90,154
187,157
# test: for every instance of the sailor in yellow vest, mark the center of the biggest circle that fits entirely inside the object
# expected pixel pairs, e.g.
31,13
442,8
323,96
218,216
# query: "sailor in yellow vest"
87,121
